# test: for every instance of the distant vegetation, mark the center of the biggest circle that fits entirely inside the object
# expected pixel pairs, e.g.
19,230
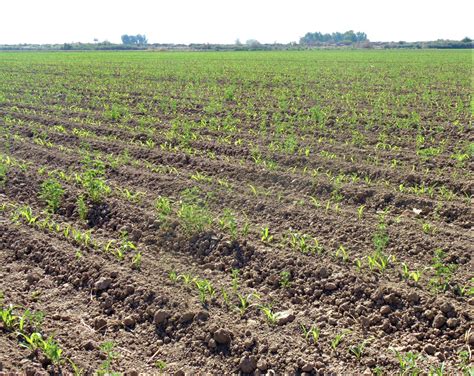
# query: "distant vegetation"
139,40
348,37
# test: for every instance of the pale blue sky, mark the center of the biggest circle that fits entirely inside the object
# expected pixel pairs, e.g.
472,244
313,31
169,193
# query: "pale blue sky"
214,21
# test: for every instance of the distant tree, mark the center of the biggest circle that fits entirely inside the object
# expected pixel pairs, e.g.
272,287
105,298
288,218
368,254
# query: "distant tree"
238,42
67,46
134,39
466,40
252,43
337,37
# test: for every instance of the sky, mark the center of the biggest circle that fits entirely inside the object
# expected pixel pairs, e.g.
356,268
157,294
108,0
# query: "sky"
224,21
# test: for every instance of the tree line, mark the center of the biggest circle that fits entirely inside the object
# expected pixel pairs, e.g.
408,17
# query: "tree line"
337,37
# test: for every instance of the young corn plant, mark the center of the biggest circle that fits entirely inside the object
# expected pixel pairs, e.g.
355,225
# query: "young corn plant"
269,314
360,212
358,350
342,253
265,235
336,341
82,208
163,207
52,193
285,277
311,334
244,302
228,223
205,289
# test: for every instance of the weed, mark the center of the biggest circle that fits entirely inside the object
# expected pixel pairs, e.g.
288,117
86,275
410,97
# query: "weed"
160,364
193,213
443,272
3,173
408,362
137,261
173,276
108,349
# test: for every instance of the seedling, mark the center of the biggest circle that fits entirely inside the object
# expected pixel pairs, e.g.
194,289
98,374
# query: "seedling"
335,342
228,223
269,314
244,302
161,365
52,193
408,362
163,206
235,279
82,208
285,279
265,235
205,288
360,212
443,272
359,349
311,334
108,349
342,253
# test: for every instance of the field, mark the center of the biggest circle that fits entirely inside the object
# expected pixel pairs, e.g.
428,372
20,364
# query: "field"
241,212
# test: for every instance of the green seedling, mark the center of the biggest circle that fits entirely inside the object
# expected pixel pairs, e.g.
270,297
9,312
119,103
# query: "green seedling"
359,349
163,207
408,362
335,342
443,272
311,334
265,235
52,193
269,314
245,302
285,279
108,349
235,280
8,318
342,253
205,289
